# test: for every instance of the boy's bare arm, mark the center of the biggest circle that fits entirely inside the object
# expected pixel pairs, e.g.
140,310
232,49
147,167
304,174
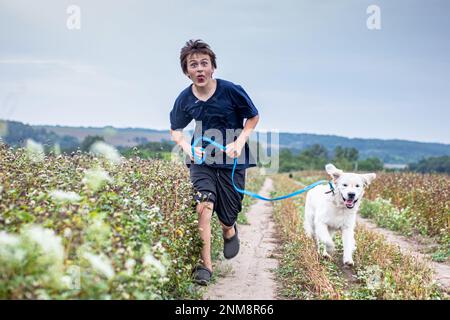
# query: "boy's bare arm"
249,125
178,137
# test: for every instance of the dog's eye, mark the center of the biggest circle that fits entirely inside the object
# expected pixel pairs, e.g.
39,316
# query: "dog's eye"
357,185
345,185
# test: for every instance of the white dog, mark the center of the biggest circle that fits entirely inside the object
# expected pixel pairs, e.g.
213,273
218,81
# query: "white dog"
328,210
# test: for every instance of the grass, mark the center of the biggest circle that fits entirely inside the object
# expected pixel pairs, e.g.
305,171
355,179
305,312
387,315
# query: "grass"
423,198
416,205
381,271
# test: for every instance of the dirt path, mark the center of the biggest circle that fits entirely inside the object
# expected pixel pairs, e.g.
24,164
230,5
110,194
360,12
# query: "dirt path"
409,246
249,275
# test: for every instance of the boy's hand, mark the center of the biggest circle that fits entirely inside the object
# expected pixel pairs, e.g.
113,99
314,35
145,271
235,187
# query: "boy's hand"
198,153
234,149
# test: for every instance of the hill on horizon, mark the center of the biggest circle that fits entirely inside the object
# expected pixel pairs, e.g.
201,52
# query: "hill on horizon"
394,151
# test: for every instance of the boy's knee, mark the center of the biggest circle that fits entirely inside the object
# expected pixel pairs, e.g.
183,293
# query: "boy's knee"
205,207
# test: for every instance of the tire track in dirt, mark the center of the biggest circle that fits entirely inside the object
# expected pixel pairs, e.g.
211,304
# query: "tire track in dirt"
249,275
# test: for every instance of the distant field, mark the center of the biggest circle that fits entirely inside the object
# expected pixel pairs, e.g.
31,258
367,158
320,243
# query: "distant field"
116,137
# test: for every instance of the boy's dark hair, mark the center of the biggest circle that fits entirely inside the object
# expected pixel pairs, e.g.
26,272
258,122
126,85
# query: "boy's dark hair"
196,46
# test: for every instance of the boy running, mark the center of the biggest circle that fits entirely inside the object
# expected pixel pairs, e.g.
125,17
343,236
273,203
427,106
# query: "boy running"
219,108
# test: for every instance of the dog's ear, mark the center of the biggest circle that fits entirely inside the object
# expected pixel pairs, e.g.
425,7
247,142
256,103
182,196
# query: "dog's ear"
333,171
368,178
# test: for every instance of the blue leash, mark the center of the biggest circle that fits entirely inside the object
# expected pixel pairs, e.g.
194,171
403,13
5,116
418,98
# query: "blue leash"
249,193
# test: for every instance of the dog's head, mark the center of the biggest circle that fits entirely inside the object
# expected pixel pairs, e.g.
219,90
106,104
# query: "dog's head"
350,185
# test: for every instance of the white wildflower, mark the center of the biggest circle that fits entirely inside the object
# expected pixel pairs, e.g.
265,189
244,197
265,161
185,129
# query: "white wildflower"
373,280
107,151
10,251
150,260
159,247
130,263
42,294
48,241
7,239
66,281
62,196
95,178
98,231
101,264
35,151
19,254
72,279
67,232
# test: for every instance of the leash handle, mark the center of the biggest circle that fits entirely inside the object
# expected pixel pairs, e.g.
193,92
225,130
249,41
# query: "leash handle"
199,160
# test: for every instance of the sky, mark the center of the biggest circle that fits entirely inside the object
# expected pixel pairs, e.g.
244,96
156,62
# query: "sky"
309,66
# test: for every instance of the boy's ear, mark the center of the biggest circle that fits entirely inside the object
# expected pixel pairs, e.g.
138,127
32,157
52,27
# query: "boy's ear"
333,171
368,178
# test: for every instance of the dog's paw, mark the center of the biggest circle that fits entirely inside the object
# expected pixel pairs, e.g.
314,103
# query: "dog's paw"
349,263
326,255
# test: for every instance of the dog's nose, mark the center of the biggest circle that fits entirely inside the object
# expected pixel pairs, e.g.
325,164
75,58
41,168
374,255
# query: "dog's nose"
351,195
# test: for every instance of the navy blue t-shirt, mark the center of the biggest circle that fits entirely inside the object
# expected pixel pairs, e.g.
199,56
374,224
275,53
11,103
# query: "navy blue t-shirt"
219,118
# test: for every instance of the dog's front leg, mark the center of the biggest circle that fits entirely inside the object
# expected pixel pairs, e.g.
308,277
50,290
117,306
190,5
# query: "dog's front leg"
323,236
348,240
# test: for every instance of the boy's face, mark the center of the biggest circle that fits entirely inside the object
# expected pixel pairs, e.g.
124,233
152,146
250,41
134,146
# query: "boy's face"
199,69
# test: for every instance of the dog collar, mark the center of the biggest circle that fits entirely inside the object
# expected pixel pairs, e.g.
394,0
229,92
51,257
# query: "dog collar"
331,187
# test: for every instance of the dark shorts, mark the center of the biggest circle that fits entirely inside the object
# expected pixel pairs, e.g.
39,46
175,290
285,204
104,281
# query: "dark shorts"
215,185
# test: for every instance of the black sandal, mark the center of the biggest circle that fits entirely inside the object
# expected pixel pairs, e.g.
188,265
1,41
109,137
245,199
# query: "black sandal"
202,275
231,246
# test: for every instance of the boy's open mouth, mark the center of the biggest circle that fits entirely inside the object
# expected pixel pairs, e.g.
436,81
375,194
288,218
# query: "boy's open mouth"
201,78
349,203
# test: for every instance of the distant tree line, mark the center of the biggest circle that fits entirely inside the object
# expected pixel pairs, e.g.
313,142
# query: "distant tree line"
17,133
313,157
317,156
430,165
149,150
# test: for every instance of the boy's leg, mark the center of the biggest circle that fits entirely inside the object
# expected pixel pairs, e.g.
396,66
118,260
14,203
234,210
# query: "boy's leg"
205,210
228,205
228,200
227,231
204,181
